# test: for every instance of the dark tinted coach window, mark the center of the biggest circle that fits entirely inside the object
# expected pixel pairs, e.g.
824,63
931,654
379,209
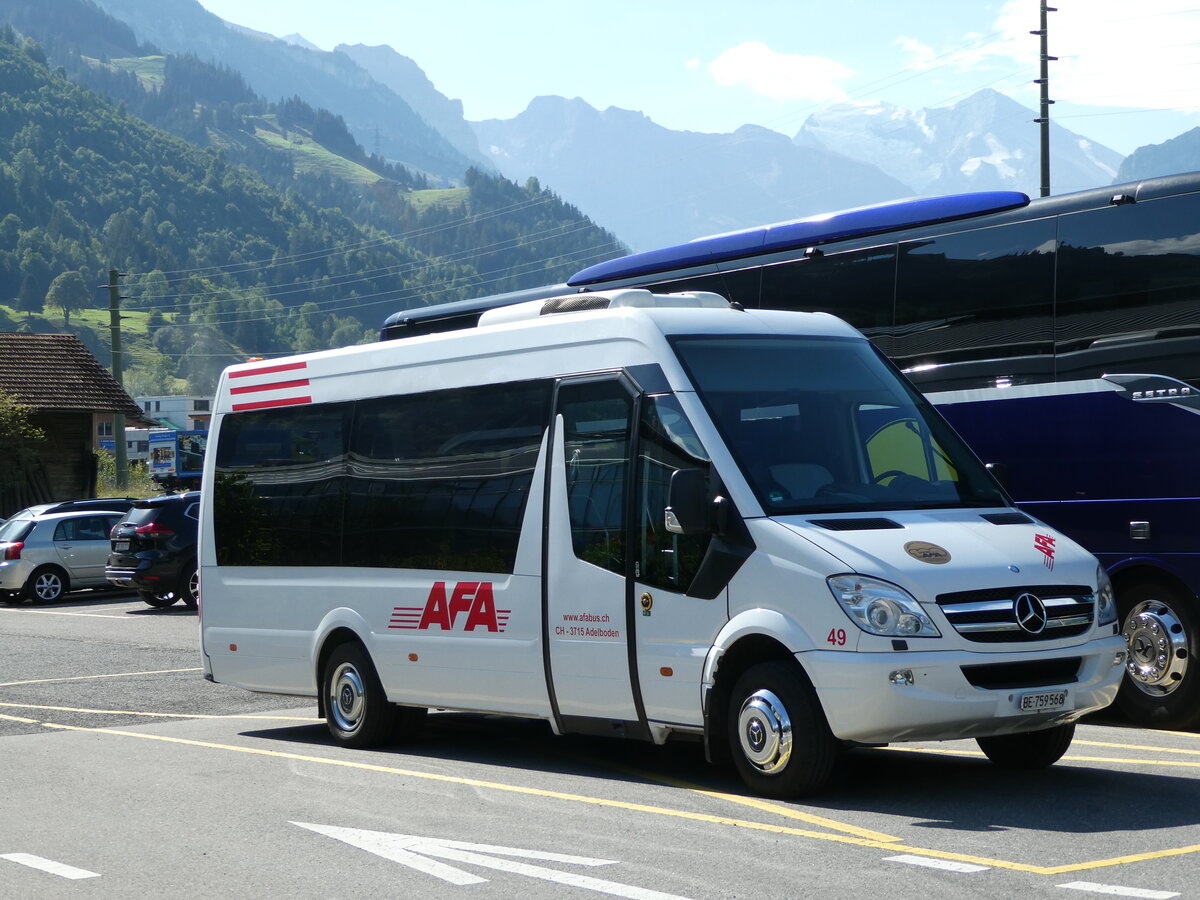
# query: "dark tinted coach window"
280,487
440,480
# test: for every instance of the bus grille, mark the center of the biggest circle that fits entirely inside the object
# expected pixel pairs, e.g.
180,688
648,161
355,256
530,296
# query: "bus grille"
990,616
1028,674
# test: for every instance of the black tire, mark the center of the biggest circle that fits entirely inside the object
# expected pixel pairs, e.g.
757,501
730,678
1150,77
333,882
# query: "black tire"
189,587
357,710
1161,687
778,736
158,601
1028,750
49,584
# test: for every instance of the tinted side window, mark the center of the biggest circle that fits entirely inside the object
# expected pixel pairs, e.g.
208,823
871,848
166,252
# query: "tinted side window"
976,309
666,442
1129,290
85,528
280,485
441,480
596,434
857,286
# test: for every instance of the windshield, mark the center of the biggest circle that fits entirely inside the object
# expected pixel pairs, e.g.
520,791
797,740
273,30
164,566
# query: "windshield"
821,424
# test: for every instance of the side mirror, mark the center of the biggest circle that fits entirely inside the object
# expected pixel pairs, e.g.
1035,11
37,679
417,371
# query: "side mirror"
687,509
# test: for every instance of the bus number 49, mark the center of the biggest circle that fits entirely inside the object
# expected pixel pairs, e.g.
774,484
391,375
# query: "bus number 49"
837,637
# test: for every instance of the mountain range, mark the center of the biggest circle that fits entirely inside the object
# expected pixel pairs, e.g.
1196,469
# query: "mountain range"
647,184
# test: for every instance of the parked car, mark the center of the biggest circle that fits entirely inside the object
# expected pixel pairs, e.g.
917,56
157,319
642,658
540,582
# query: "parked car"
43,555
107,504
153,550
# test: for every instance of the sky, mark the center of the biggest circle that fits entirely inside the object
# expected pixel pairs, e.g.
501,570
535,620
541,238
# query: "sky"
1127,74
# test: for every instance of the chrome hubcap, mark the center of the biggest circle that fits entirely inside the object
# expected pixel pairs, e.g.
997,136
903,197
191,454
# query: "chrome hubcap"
347,697
765,732
1158,648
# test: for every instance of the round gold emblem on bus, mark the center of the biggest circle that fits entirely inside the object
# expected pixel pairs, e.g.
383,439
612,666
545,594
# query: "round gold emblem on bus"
929,553
647,603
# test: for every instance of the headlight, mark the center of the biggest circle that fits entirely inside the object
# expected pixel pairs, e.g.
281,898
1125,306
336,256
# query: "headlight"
878,607
1106,599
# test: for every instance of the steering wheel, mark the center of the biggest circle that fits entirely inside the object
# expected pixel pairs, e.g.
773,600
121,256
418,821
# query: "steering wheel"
888,474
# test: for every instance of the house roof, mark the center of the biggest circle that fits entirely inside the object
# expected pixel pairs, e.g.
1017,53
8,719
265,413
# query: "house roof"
56,371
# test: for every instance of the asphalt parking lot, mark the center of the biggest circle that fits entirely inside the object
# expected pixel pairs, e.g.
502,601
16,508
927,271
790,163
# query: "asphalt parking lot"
126,773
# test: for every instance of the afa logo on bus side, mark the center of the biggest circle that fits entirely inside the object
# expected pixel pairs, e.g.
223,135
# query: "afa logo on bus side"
470,606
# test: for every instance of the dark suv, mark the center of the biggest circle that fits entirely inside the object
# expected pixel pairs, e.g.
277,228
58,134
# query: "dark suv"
154,550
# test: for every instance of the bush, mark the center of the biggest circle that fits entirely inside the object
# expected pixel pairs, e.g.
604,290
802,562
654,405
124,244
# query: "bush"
140,483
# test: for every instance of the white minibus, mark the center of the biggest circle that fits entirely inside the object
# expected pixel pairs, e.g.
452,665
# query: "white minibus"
641,516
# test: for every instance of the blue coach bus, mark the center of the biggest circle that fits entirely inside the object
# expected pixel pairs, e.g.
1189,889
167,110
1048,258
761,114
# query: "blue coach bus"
1060,336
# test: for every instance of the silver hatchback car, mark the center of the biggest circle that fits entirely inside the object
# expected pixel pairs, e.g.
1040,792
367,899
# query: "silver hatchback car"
43,556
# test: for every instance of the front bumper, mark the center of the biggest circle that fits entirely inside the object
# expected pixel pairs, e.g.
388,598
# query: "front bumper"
863,704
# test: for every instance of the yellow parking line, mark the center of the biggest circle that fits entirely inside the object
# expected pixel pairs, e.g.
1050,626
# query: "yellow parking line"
19,719
158,715
1070,757
851,839
756,803
1077,742
85,677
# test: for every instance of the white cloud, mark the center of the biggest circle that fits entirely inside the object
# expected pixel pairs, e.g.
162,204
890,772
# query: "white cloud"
1110,52
780,76
693,63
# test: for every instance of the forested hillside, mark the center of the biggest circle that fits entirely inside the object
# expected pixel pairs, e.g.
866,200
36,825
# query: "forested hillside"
311,249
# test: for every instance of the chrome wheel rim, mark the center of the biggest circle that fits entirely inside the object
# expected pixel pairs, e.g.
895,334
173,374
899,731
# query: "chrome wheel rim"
347,698
48,586
1158,648
765,732
194,587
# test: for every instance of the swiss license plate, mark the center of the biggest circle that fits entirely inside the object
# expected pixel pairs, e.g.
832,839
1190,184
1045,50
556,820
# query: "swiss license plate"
1043,701
120,545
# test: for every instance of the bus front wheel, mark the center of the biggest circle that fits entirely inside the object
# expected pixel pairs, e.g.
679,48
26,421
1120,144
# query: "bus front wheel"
1029,750
1161,687
357,710
781,744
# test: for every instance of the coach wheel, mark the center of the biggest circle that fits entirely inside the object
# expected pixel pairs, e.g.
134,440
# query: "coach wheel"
1161,685
356,709
1029,750
780,741
46,585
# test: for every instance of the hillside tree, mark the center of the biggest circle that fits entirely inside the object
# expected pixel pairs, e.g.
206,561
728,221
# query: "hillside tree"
68,293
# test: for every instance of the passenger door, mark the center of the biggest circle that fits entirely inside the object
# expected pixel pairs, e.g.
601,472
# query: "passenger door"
587,590
82,544
674,631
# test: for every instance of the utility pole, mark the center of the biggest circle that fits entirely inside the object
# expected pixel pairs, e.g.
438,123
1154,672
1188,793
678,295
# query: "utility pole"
114,331
1044,119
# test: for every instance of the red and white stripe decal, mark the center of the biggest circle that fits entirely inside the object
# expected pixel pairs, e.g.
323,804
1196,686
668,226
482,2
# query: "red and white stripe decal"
286,391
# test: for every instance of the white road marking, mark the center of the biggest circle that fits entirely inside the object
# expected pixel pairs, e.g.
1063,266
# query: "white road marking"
1118,891
413,851
49,865
948,864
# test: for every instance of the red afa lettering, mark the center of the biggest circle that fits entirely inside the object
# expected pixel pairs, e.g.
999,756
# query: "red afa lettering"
469,606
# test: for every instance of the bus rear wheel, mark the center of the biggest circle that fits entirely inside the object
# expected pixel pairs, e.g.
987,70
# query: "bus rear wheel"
357,710
1161,687
1028,750
781,744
